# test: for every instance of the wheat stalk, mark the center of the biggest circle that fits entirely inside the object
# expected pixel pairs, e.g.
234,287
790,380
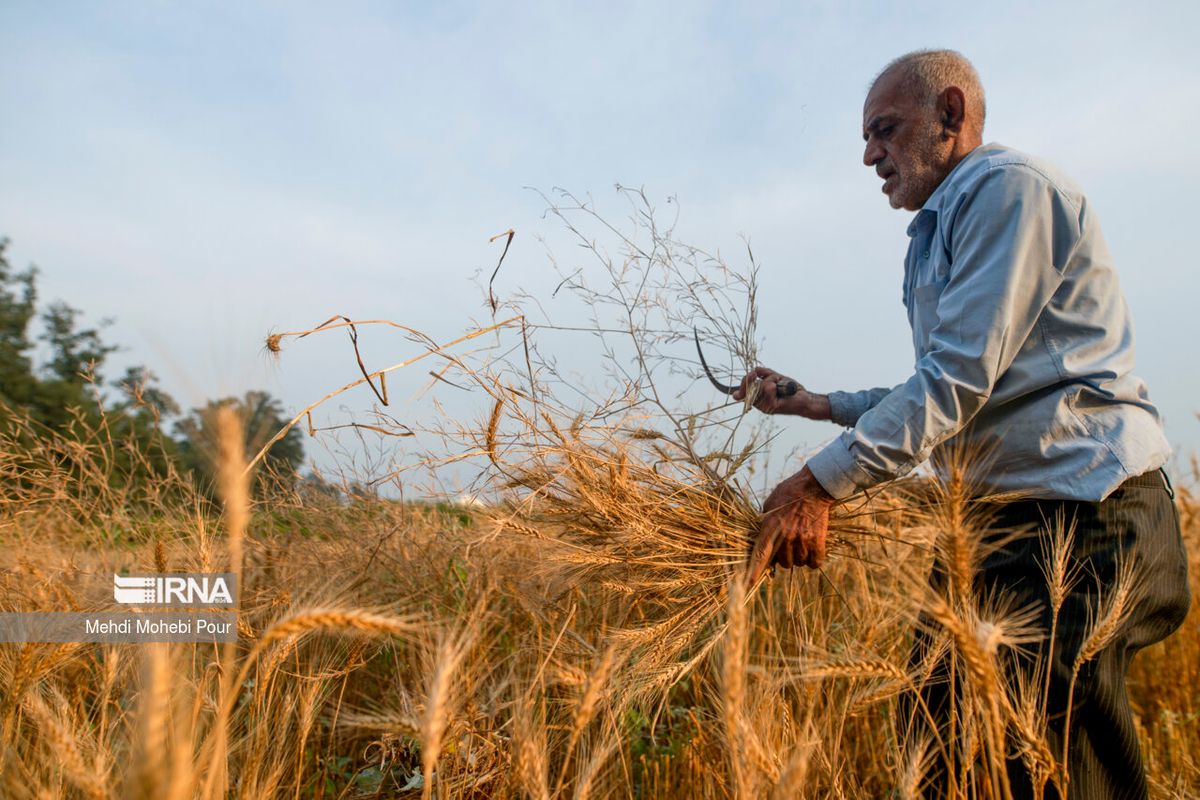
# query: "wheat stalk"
65,748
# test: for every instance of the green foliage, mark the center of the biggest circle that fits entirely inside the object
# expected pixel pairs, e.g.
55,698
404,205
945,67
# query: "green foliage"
665,734
67,395
69,381
137,420
18,296
262,417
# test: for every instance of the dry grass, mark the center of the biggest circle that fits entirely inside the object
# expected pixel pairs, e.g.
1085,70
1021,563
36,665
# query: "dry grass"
587,633
400,647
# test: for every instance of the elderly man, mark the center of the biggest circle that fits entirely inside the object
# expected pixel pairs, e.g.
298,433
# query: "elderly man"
1024,352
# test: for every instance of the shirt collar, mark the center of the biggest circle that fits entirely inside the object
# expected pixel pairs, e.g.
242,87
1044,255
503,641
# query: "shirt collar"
923,217
934,202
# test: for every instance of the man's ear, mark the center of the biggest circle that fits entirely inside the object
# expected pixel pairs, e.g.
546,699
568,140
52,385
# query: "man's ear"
952,110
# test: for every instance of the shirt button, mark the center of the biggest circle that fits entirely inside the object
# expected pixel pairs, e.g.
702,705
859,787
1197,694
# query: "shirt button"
925,254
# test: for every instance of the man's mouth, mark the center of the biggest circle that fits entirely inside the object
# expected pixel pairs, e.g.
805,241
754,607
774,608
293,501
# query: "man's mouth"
888,182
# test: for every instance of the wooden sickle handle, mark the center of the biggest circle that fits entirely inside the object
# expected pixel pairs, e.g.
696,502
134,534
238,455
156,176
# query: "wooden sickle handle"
786,389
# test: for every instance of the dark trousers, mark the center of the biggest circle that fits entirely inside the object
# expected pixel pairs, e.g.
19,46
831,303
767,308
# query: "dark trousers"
1140,521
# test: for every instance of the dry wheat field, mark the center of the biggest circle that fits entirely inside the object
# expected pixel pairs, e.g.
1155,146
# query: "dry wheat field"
582,629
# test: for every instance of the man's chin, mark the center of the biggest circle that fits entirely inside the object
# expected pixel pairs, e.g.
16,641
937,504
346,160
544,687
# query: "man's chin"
902,201
894,191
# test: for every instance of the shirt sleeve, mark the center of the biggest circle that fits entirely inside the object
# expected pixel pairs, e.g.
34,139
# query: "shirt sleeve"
1009,239
846,407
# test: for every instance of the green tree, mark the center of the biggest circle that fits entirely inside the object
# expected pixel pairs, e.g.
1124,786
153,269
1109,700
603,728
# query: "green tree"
136,420
66,397
144,397
71,378
62,399
18,296
262,417
66,383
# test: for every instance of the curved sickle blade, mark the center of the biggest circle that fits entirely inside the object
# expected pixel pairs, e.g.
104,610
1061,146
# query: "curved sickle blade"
720,386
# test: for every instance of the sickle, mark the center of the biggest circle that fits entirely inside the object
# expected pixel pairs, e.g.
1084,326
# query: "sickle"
785,389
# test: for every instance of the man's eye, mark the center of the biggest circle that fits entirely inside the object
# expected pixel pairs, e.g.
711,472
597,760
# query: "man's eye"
886,131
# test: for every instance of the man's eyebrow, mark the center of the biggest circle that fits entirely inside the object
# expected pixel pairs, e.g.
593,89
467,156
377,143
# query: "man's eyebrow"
873,125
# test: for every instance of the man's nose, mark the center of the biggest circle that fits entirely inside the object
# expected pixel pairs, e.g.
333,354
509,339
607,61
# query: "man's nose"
872,153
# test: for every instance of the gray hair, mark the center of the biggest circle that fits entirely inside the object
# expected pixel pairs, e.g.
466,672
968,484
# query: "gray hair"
925,74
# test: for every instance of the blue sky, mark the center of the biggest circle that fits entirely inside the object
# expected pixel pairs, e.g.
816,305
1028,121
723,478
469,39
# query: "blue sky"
207,172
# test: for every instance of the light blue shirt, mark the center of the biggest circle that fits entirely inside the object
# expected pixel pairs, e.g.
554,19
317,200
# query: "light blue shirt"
1024,346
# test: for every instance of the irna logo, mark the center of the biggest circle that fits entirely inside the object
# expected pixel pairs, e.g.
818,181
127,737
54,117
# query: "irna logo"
197,589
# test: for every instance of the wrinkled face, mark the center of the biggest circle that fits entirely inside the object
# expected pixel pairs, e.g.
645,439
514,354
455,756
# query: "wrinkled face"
905,144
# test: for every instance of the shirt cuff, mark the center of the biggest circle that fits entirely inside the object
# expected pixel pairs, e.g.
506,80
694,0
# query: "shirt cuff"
846,407
836,470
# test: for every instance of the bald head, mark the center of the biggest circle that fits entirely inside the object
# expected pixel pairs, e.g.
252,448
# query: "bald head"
925,75
922,116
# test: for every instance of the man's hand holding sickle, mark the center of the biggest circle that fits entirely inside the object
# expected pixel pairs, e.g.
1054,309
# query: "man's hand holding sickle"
796,514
